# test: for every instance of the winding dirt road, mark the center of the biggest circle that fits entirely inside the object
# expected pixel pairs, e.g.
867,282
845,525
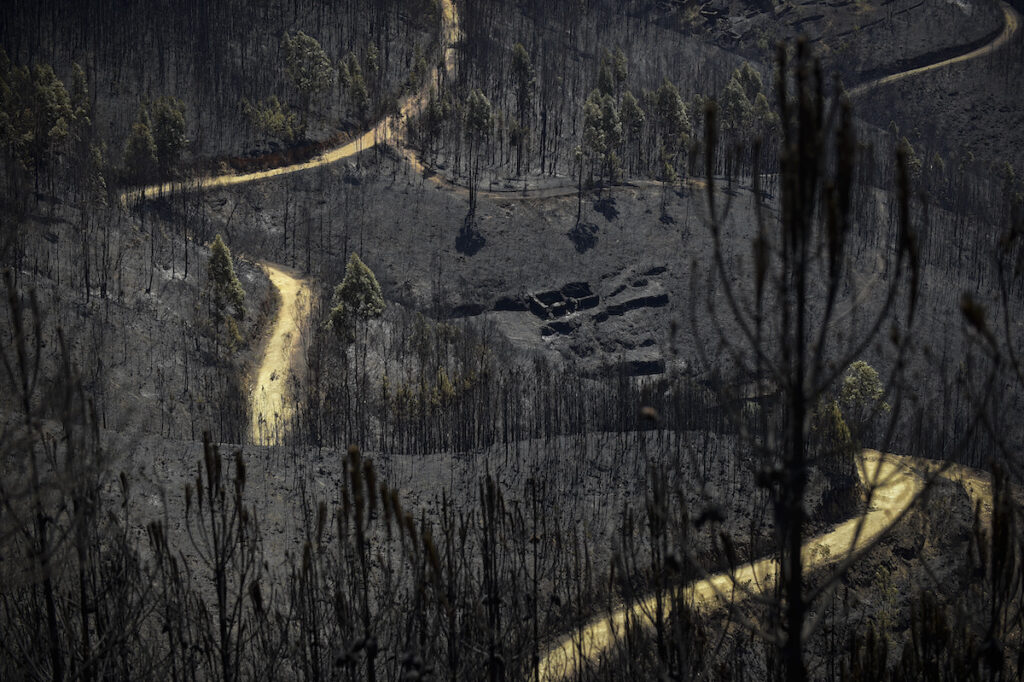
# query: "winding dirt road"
388,128
1012,19
271,405
896,481
271,410
1010,27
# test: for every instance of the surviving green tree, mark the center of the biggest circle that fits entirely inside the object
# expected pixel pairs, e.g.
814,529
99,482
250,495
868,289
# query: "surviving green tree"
746,115
633,121
169,133
358,298
602,132
224,291
350,76
52,114
478,125
524,76
272,119
140,160
861,399
81,112
36,115
673,122
843,416
308,68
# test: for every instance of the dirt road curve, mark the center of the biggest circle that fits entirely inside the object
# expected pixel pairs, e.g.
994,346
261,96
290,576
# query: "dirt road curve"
271,412
388,128
272,407
897,482
1009,28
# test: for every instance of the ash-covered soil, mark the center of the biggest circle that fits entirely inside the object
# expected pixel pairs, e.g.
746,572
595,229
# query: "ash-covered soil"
628,299
139,330
973,108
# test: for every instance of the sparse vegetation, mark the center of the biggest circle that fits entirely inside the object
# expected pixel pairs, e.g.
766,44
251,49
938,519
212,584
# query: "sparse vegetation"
273,119
499,440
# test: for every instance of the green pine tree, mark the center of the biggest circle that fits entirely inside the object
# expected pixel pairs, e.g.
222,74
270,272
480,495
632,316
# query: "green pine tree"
140,159
309,69
222,284
169,133
358,298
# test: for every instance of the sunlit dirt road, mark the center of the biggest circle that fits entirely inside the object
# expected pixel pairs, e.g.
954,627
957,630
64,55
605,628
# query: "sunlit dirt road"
1010,27
272,406
896,482
1012,18
389,128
